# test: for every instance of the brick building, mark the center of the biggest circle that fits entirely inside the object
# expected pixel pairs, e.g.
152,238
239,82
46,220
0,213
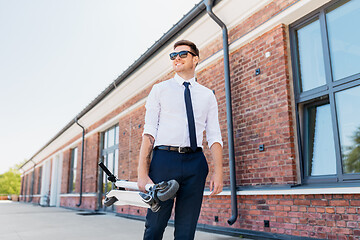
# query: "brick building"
295,81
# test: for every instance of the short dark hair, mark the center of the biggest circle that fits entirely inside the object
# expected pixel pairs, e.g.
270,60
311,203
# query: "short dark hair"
188,43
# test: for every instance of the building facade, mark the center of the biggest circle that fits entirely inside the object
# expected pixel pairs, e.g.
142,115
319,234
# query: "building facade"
295,85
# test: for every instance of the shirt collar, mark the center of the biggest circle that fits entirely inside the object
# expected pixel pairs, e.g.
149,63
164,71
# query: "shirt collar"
180,80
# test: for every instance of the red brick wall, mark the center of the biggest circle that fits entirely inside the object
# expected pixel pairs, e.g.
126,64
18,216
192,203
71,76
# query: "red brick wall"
91,159
320,216
65,171
90,173
130,136
317,216
262,112
89,203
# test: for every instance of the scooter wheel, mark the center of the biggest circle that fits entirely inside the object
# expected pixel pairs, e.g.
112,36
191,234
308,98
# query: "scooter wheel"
109,201
169,192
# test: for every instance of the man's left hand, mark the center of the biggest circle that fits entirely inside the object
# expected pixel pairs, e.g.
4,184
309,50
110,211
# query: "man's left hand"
216,184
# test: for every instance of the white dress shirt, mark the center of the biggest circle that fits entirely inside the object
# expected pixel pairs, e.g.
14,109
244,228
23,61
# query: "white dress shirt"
166,119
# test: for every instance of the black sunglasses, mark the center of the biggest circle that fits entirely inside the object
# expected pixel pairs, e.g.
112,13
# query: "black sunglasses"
182,54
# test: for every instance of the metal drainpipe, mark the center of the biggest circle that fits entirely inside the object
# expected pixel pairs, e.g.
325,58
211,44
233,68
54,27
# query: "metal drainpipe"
82,161
32,182
234,209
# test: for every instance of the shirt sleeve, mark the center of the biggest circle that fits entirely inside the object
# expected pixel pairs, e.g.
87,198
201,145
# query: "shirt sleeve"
213,133
152,112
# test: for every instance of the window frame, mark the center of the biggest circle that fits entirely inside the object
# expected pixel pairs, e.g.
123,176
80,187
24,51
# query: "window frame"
318,95
104,152
25,187
22,186
72,170
39,180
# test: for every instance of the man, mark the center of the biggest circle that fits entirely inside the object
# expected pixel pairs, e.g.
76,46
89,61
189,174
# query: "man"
177,113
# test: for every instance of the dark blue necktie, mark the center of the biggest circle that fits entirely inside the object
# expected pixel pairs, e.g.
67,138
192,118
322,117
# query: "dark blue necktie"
190,116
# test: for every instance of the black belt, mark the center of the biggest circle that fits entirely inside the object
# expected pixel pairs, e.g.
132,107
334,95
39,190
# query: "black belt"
178,149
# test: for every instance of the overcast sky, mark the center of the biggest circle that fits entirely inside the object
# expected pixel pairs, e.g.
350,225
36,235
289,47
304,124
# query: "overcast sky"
57,56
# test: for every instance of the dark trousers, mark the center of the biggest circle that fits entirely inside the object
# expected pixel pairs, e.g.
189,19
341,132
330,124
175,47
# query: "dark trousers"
190,170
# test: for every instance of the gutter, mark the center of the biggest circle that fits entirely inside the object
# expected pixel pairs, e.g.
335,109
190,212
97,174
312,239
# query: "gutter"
229,118
82,161
197,11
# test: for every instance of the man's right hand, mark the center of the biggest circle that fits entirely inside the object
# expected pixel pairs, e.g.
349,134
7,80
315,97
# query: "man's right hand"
144,161
143,181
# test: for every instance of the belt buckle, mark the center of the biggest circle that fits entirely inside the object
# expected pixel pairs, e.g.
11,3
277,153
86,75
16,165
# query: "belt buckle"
179,150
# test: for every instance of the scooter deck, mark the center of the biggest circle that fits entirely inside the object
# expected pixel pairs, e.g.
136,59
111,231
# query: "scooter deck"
127,198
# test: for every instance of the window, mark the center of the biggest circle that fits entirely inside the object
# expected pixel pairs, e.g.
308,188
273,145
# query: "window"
349,129
26,185
30,186
321,154
110,155
326,62
22,186
39,180
73,166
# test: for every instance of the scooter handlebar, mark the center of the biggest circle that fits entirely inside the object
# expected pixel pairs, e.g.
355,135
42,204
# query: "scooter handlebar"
131,185
111,177
122,183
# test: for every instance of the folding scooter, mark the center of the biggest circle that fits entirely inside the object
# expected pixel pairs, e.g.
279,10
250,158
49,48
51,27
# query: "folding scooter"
154,192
